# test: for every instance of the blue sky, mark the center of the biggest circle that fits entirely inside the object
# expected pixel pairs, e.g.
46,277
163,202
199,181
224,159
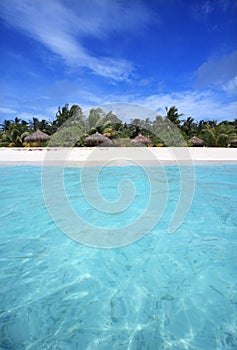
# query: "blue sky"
154,53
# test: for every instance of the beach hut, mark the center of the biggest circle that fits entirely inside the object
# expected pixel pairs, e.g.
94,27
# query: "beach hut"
37,136
98,139
140,140
233,143
196,142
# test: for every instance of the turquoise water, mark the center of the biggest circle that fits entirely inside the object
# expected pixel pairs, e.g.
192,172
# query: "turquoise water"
165,291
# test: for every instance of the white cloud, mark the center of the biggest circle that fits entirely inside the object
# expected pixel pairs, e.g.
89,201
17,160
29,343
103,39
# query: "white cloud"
206,104
216,72
29,116
199,105
7,110
231,86
62,29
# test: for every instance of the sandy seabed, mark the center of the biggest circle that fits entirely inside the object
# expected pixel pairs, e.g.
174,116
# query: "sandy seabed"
116,156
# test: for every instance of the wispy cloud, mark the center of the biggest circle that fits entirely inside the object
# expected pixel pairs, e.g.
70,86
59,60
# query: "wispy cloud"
197,104
217,72
10,113
63,29
231,86
206,104
7,111
226,4
206,8
202,9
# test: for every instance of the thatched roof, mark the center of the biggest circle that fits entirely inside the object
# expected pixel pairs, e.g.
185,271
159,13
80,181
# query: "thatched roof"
196,141
135,143
98,139
142,139
233,142
37,136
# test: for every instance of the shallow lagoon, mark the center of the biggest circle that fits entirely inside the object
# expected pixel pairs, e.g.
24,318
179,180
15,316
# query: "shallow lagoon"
165,291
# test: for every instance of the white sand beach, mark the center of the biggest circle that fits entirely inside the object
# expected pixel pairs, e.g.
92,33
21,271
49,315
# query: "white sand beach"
116,156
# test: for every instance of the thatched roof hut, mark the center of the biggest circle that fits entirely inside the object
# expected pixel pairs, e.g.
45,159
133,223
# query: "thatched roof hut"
141,140
38,136
233,143
98,139
196,142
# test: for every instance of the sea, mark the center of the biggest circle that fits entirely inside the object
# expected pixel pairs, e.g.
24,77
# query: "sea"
119,257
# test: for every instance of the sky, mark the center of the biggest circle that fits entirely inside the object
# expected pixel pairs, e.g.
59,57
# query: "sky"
153,53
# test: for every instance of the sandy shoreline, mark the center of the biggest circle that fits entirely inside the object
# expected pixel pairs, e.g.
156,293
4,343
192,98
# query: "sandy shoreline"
116,156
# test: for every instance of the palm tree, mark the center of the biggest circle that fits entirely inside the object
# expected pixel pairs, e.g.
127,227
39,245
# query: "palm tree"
5,126
17,121
15,138
189,127
62,115
111,117
218,136
173,115
74,114
95,118
34,124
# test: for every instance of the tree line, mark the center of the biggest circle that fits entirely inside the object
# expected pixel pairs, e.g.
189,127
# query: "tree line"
70,127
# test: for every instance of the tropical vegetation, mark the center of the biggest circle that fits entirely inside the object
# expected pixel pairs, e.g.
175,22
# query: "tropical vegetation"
71,127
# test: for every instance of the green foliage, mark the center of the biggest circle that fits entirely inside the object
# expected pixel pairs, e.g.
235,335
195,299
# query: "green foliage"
70,128
66,137
217,135
189,127
209,137
95,118
5,126
15,138
64,114
222,140
173,115
42,125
